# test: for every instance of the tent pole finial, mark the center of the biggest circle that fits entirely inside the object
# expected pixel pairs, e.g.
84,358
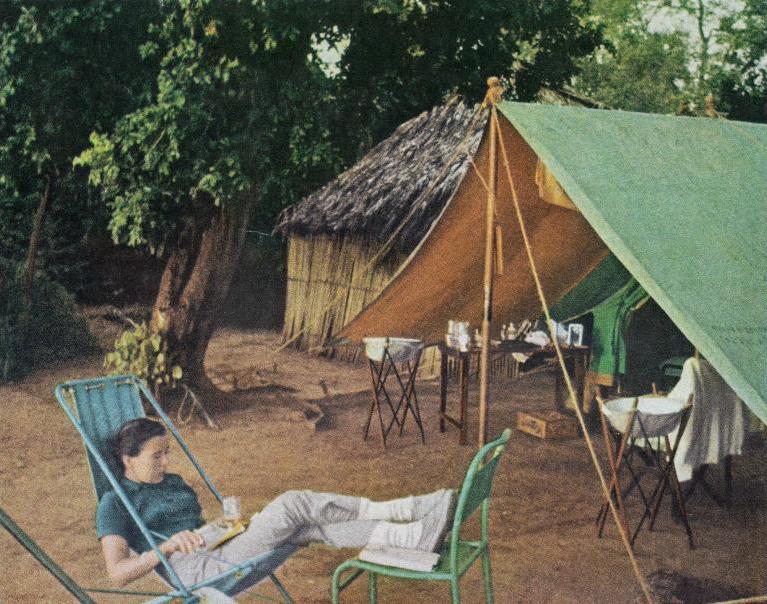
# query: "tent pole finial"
494,92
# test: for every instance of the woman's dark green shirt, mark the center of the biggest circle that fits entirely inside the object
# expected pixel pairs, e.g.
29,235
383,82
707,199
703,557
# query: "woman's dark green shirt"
166,508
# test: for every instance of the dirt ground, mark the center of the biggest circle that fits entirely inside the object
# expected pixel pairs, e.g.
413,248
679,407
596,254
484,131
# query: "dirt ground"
544,547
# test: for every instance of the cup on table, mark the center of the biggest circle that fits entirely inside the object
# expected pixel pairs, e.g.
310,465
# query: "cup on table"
231,509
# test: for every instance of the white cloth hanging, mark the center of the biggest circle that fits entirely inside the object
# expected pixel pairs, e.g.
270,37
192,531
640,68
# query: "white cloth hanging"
716,427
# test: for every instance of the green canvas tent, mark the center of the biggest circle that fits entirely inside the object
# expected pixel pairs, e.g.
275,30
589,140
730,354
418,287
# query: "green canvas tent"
680,201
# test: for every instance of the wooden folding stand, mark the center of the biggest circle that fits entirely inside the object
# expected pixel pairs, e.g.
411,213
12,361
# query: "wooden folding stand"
382,366
624,444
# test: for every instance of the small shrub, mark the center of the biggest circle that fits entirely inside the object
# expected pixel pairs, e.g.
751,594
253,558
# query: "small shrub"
39,328
143,351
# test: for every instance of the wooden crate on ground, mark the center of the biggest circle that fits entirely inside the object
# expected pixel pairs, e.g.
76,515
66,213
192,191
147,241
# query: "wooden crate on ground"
547,425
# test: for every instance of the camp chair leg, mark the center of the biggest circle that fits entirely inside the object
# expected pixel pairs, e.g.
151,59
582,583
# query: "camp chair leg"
372,588
455,590
488,577
417,415
659,492
683,510
680,496
281,588
669,475
338,585
411,402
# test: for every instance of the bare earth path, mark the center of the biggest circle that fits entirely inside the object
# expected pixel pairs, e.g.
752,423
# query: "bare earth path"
545,499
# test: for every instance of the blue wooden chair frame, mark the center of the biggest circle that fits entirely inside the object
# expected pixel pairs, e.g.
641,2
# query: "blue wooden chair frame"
457,555
98,407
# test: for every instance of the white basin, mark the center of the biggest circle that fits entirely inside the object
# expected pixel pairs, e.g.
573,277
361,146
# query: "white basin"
400,349
659,415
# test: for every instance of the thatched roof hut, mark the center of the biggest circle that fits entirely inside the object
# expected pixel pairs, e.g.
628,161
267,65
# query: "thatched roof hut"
347,239
392,195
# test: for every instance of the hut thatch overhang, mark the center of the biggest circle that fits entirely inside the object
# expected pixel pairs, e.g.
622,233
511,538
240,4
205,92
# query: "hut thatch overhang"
391,196
409,175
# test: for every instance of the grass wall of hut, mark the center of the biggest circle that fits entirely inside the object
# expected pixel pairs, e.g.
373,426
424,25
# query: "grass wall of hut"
330,279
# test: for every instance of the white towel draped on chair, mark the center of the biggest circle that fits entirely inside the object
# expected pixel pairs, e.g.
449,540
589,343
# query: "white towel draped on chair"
716,427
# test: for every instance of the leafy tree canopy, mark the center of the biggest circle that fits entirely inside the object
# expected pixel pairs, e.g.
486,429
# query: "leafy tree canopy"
636,69
65,69
244,101
661,52
742,81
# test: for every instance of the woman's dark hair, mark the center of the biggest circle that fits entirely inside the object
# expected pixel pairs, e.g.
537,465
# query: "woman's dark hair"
133,434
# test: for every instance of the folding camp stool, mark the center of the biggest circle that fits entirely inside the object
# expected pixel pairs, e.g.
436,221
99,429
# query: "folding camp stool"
642,428
394,360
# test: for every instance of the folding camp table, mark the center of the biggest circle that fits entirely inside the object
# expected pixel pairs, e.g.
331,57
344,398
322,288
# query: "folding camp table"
394,360
462,362
641,428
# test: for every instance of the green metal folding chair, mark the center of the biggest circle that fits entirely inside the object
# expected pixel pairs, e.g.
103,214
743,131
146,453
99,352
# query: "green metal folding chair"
98,408
457,555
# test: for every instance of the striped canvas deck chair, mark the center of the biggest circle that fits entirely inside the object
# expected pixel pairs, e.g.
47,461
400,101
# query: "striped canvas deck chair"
98,408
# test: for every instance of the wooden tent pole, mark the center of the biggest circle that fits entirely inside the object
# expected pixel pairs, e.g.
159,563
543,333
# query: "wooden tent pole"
494,92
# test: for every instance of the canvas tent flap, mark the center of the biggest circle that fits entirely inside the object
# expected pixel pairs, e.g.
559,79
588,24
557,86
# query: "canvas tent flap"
608,341
549,189
682,203
442,278
599,285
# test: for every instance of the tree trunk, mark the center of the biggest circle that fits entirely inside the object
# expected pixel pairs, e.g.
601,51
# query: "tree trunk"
36,236
194,286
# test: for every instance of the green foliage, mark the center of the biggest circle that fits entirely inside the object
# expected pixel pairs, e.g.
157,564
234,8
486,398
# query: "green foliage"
188,148
66,68
643,72
403,57
244,101
242,108
742,82
40,328
636,69
143,351
658,53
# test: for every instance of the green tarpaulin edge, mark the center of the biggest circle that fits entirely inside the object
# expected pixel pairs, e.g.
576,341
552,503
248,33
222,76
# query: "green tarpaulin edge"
521,118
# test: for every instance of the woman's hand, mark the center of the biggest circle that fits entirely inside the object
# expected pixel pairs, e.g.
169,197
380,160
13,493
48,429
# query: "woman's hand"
186,542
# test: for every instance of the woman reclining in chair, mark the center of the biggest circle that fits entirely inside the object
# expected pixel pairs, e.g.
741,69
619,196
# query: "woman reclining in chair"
169,506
